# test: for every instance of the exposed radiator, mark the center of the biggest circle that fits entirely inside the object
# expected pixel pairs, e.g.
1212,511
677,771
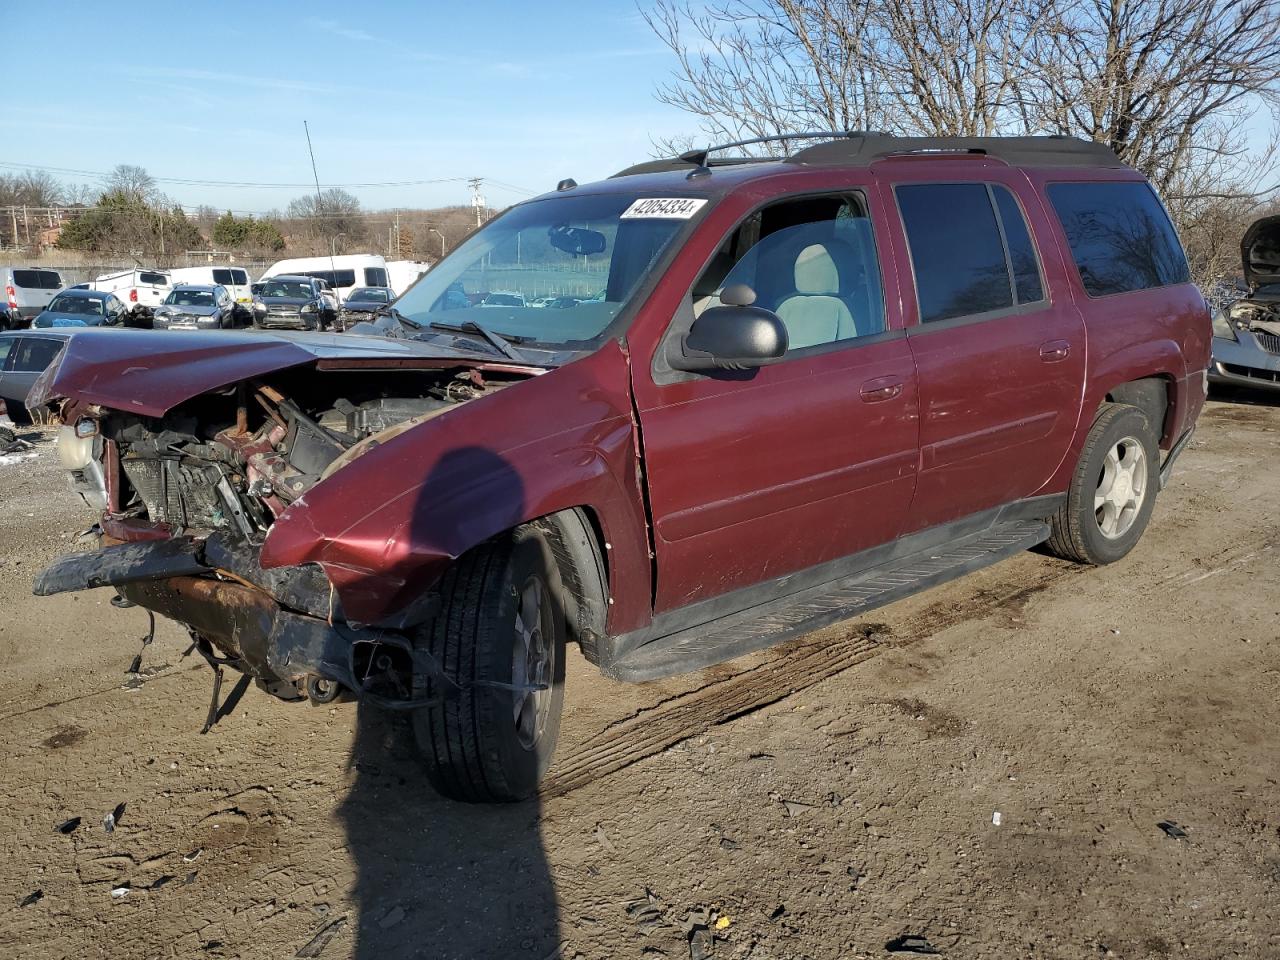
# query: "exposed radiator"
182,494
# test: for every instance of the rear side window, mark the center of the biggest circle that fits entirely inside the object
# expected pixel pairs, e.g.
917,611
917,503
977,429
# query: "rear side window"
222,276
375,277
157,278
334,278
1120,236
1022,254
35,354
37,279
956,250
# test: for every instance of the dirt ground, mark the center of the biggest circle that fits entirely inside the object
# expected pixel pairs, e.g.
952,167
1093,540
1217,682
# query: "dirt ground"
818,800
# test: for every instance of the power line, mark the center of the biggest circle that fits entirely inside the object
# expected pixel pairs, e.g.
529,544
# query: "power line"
189,182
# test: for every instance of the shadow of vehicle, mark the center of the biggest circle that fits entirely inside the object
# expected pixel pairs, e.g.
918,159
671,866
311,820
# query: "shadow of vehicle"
1230,393
434,877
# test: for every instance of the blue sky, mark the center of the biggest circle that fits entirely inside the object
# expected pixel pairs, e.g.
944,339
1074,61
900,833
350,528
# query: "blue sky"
523,93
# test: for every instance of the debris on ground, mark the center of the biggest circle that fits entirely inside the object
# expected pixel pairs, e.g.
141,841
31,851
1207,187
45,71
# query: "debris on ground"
15,451
160,881
313,947
996,818
68,826
119,893
603,839
909,943
1172,830
112,819
393,917
7,435
646,911
34,897
193,856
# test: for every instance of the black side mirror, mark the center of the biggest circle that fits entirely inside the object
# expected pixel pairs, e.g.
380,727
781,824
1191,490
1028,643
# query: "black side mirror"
737,336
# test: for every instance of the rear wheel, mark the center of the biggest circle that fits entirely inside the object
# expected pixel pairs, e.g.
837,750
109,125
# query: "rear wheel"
1113,490
500,641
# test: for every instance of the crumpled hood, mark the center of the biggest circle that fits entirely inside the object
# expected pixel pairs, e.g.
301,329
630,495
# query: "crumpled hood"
149,372
1260,252
185,310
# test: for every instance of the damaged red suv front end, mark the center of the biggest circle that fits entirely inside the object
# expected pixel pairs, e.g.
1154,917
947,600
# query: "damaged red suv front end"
292,501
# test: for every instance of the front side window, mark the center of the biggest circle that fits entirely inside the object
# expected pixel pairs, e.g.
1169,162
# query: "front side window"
1120,236
6,345
334,278
812,261
554,271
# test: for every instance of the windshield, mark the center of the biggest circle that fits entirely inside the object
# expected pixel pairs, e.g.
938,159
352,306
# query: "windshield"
552,271
91,306
190,298
369,293
283,288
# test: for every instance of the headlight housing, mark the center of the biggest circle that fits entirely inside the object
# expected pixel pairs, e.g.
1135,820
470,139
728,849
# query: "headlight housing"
308,308
1222,326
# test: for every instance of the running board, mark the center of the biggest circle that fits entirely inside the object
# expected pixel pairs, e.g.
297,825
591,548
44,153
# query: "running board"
770,623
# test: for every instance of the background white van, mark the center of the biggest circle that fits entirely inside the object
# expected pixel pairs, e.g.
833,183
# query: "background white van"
235,279
137,288
342,273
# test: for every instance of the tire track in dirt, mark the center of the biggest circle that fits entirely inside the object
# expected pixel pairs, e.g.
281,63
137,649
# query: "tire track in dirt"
794,666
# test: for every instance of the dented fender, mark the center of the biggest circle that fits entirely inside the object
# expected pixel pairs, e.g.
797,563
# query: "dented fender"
386,526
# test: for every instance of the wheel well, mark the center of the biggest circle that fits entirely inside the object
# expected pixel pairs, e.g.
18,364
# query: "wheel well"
1151,395
577,541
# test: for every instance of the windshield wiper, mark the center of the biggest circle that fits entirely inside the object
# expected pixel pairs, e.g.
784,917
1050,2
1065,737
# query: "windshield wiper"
492,337
391,311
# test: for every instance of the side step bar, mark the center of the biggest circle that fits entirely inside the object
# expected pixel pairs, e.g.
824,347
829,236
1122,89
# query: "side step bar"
771,623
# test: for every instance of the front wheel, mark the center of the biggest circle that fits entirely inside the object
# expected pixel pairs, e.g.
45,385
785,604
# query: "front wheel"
1113,490
499,640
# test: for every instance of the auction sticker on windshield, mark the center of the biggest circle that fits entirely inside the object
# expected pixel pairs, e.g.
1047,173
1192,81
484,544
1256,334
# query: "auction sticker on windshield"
670,208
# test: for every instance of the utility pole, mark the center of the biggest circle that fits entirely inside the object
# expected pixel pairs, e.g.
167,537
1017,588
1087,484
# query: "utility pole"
477,199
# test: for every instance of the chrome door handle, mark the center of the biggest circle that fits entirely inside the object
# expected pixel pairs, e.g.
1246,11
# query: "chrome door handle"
1054,350
881,389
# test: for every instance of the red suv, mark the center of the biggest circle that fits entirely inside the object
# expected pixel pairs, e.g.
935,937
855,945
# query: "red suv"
731,401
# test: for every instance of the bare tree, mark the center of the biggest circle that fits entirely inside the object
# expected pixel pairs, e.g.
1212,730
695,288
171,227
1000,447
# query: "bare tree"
133,182
1170,85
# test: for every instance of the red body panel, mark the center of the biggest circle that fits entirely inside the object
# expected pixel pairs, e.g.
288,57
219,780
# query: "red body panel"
998,408
386,526
784,468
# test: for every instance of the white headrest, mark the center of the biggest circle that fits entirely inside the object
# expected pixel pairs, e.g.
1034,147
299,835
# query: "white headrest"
816,272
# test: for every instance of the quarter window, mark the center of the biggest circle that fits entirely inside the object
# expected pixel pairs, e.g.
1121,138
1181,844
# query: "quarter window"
812,261
1120,236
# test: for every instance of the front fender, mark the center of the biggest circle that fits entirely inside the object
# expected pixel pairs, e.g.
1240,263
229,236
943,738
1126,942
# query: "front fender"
386,526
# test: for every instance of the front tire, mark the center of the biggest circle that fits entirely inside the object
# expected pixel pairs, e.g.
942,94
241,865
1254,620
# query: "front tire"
1113,490
500,632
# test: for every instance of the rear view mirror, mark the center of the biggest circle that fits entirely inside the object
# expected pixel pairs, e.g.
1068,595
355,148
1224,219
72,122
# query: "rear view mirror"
576,241
735,337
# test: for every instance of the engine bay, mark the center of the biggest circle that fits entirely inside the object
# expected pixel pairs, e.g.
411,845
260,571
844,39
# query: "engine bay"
234,460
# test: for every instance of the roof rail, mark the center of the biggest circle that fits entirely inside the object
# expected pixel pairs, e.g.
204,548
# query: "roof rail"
862,148
1051,150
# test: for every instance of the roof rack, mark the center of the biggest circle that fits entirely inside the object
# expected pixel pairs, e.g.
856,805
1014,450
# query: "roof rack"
862,148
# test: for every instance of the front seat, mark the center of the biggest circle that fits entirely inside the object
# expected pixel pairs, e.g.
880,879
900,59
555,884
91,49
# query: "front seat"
815,313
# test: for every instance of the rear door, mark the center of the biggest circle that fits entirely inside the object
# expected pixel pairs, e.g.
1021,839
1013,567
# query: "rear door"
755,475
153,287
33,289
999,344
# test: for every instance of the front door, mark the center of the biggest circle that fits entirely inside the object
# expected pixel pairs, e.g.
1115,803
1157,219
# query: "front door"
998,343
756,475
